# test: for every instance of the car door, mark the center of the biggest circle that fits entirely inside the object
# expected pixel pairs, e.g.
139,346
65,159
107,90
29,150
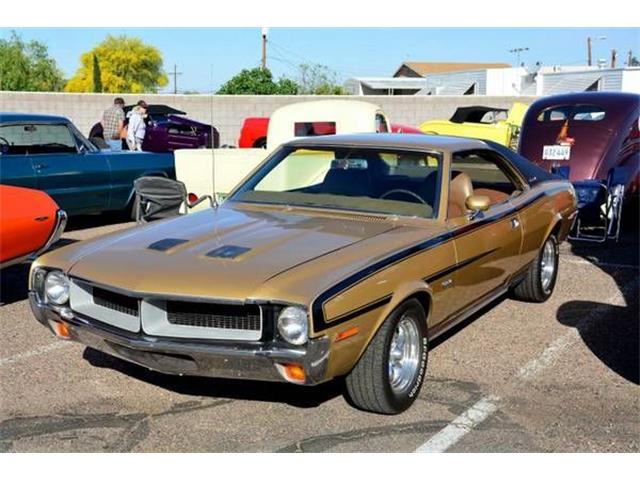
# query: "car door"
487,244
16,168
69,169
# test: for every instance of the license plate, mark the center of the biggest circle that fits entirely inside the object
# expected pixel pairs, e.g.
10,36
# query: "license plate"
556,152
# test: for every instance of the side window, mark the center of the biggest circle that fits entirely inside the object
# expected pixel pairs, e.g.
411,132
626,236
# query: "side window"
381,124
34,138
481,172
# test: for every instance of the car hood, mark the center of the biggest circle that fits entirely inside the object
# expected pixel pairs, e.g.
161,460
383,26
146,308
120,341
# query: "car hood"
228,252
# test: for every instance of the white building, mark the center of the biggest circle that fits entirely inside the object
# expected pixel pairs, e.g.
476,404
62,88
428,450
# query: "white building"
509,81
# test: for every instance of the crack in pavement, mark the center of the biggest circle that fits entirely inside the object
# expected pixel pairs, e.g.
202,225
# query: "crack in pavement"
135,425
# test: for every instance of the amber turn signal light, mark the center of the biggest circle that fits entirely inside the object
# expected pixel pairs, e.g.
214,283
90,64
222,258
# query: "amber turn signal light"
61,329
347,333
294,372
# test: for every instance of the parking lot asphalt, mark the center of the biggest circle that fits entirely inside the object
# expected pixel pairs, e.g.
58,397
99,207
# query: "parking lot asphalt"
555,377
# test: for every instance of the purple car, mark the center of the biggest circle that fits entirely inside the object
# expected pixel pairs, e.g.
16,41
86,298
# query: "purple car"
167,131
592,139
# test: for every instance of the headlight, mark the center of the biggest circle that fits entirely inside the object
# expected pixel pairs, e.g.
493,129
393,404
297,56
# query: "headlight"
56,287
293,325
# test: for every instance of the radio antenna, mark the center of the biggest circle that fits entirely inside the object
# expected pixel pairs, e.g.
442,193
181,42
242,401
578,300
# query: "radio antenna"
213,145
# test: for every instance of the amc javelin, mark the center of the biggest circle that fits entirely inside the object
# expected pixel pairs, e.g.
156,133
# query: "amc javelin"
340,256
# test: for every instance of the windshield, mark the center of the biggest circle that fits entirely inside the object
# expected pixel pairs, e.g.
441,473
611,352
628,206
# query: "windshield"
361,179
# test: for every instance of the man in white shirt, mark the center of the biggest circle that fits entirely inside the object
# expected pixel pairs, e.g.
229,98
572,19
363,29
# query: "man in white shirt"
137,128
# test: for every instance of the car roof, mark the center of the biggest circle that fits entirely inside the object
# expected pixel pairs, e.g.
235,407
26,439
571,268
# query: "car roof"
391,140
10,117
619,100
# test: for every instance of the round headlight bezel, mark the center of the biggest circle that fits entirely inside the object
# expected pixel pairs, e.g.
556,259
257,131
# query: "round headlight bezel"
56,288
293,325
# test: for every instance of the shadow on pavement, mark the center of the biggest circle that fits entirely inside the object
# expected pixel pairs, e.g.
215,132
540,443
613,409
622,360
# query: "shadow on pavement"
297,396
614,336
14,279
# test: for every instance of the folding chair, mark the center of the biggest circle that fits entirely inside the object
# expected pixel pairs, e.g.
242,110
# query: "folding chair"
160,197
599,208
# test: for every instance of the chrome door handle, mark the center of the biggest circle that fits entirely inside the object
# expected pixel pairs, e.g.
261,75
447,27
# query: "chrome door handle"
40,165
515,223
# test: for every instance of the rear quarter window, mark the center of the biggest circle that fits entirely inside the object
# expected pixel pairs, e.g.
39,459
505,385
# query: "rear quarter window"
580,113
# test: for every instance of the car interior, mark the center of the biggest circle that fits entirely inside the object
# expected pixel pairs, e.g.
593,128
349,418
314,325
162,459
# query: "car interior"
411,179
479,173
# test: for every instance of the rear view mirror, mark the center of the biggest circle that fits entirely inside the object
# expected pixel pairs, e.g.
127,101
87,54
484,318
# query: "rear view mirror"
477,204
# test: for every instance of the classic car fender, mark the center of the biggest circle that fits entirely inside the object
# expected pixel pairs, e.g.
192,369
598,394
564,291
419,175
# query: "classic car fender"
344,354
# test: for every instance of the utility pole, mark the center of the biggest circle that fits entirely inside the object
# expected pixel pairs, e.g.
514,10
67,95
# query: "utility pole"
517,51
629,58
264,48
590,47
175,74
614,57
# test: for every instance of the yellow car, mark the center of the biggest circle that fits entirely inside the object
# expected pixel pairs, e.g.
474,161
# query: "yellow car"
487,123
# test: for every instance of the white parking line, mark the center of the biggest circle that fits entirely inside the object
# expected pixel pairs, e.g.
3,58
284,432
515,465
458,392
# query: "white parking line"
486,406
462,425
582,261
32,353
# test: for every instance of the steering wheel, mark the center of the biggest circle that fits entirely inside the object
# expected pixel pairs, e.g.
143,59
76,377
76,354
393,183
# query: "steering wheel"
406,192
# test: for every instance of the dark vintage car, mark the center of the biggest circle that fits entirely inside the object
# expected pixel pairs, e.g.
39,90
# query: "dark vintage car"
592,139
48,153
167,130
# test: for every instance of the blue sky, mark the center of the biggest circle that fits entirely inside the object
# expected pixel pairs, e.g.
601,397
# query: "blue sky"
209,56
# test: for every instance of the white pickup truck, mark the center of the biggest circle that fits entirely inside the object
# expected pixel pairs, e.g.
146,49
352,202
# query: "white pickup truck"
196,167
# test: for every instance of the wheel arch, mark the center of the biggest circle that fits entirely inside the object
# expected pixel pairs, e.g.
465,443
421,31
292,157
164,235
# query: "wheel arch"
349,357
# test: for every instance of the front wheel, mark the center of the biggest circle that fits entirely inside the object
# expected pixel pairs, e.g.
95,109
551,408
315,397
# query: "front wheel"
540,280
388,376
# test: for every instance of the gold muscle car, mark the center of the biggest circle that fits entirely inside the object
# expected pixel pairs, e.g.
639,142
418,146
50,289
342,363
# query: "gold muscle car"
339,256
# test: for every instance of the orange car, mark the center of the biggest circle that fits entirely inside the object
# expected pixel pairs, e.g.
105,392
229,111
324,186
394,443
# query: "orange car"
30,222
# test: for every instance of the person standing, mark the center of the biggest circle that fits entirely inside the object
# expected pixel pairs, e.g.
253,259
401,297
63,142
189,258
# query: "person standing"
112,124
137,128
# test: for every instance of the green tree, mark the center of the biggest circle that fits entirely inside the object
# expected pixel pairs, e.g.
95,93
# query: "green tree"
634,62
258,81
316,79
97,76
127,65
28,67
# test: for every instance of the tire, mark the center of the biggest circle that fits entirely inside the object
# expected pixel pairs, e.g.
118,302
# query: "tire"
369,384
534,287
260,143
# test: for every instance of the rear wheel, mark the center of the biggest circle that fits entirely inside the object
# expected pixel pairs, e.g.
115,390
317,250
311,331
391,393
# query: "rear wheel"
540,280
388,376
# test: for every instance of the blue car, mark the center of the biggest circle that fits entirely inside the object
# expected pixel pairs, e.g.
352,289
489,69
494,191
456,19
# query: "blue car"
49,153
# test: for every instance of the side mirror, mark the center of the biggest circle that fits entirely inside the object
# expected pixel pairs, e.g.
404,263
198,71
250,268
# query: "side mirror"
477,204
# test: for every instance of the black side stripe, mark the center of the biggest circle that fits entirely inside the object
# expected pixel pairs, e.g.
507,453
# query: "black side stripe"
448,271
369,307
317,307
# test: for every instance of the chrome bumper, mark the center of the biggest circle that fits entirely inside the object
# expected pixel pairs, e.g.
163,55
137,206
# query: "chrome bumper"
239,360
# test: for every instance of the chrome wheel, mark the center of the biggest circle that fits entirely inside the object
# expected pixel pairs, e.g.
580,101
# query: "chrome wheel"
547,265
404,354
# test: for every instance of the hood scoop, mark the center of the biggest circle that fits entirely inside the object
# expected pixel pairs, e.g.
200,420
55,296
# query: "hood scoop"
166,243
227,251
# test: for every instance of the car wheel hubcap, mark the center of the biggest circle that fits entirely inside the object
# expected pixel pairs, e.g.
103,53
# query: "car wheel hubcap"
547,265
404,354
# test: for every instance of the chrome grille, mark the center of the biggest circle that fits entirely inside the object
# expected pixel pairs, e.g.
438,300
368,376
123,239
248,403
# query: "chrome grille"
236,317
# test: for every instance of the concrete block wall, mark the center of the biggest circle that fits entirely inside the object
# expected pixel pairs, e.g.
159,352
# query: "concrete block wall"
228,111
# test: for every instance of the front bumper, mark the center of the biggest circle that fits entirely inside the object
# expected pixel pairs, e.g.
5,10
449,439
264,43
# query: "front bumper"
239,360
